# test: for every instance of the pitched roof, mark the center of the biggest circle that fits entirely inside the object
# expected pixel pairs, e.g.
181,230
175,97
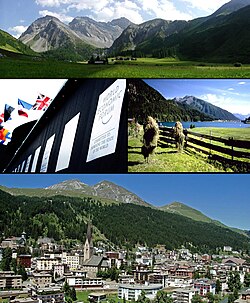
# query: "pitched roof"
237,261
93,261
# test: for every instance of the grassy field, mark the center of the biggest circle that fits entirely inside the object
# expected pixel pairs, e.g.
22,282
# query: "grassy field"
236,133
24,67
82,296
227,133
168,160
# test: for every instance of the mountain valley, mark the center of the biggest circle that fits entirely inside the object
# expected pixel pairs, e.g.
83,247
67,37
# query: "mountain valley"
208,39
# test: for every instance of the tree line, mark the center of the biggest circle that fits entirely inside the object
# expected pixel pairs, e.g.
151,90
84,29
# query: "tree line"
64,218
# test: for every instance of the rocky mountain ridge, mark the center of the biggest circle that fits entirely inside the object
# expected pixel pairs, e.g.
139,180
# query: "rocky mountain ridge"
49,33
104,189
206,108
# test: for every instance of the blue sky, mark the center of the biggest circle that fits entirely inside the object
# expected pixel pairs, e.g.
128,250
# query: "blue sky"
224,197
230,94
16,15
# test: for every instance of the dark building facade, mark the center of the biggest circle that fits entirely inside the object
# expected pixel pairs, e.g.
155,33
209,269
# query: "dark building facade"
83,130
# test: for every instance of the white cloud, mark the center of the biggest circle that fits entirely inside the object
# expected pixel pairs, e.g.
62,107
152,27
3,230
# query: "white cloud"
242,83
231,88
96,5
164,9
134,10
61,16
233,105
207,6
217,100
52,3
127,9
137,10
16,31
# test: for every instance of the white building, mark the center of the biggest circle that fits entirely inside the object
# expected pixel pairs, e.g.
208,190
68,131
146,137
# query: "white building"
144,260
73,261
83,282
59,270
133,291
176,281
227,248
203,286
46,263
182,295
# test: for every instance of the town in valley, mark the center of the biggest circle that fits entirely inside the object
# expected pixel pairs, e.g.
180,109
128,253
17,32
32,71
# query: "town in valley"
46,271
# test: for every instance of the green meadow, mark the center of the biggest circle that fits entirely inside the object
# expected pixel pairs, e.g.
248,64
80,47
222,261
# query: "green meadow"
82,296
167,159
32,67
225,133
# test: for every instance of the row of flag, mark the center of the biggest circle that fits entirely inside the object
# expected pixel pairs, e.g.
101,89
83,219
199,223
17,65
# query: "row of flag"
42,103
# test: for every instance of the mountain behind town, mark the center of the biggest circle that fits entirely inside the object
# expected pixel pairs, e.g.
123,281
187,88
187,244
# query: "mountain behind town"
110,193
194,214
106,190
122,222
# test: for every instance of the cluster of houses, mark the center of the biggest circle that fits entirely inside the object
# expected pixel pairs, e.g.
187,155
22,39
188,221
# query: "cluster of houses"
180,272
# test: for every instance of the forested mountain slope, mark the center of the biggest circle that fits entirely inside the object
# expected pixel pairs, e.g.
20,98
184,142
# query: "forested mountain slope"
66,217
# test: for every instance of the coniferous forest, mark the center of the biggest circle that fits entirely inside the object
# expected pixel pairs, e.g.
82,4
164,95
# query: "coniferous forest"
61,218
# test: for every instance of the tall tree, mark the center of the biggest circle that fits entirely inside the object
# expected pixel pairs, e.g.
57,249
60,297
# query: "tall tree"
234,281
162,297
66,288
218,286
6,259
247,280
196,299
72,294
21,271
210,297
142,298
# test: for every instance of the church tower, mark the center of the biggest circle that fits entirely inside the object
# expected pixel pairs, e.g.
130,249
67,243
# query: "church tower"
88,246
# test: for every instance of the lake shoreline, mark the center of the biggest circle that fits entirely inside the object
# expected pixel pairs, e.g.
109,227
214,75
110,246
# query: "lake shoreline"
217,123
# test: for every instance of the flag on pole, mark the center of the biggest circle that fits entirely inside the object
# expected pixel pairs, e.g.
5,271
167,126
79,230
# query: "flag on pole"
7,112
42,102
23,108
1,118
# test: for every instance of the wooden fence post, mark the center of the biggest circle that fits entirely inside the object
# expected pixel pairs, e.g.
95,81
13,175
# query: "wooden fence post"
232,148
210,142
186,137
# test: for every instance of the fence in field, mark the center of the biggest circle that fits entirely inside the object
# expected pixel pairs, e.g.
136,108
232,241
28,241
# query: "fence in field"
210,145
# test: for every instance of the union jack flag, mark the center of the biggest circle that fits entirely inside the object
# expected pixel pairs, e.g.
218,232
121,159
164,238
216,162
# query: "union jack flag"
42,102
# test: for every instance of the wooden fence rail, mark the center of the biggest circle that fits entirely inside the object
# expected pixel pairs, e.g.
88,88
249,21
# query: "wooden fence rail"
233,148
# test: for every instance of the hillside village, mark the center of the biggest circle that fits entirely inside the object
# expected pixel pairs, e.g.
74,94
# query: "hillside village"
47,272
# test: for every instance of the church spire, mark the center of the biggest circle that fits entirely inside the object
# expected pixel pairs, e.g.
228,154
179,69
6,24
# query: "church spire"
88,246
